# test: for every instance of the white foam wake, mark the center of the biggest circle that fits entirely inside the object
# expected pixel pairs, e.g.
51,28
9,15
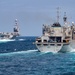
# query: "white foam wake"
21,39
6,40
19,52
73,50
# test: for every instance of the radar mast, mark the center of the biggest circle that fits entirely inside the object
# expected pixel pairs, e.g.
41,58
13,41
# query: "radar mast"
65,18
58,15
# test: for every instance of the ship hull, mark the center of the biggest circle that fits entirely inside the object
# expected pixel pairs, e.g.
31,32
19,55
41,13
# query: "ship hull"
54,49
66,48
72,44
48,48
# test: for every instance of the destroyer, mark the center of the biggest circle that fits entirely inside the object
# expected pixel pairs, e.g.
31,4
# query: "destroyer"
56,38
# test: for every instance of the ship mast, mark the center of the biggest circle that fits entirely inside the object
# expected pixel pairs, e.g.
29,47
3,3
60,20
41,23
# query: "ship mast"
65,18
16,22
58,15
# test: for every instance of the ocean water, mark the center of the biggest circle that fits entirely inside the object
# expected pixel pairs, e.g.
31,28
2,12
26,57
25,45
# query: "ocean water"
21,57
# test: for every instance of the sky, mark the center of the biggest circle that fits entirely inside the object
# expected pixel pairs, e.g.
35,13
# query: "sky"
32,14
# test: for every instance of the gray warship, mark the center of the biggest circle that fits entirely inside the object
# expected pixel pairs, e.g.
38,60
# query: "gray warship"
10,36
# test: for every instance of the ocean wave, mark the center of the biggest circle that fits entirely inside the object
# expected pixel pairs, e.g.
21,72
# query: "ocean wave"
73,50
22,39
6,40
19,52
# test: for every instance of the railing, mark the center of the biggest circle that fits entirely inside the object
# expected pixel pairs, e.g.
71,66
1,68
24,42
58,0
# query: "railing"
51,43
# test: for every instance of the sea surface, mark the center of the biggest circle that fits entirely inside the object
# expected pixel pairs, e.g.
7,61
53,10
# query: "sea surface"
21,57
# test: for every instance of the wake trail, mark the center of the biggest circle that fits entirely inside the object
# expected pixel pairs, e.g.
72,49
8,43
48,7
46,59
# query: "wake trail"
19,52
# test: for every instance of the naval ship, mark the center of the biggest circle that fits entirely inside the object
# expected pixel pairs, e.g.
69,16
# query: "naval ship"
6,36
56,37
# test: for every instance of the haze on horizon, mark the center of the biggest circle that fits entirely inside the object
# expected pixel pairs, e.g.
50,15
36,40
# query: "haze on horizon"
32,14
